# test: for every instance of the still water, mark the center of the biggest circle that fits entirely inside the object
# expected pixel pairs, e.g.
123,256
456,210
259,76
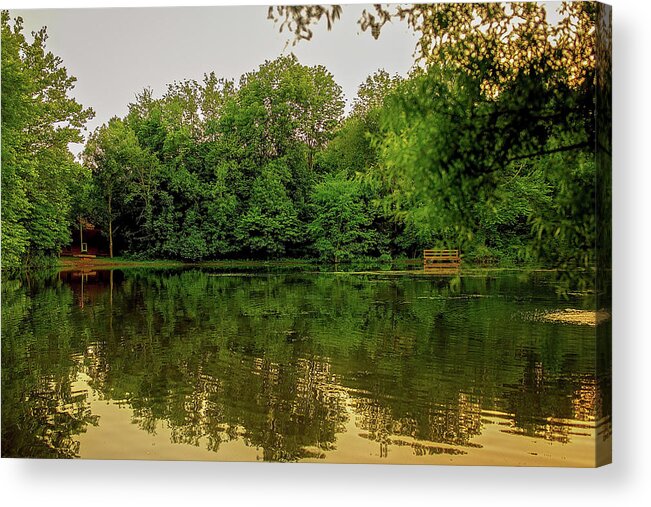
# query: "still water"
281,365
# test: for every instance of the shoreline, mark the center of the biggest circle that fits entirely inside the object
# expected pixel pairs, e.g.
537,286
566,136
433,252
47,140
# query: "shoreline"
73,263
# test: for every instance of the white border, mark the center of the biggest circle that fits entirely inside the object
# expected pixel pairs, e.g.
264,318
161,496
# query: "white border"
626,482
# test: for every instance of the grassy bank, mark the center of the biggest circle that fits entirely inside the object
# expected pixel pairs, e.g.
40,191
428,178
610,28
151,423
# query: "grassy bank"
120,262
362,265
115,262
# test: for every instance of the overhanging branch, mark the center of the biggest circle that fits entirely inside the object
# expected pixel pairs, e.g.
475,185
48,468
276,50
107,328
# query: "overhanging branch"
562,149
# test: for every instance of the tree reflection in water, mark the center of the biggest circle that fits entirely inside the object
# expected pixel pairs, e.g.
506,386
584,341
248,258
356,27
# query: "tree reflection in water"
285,362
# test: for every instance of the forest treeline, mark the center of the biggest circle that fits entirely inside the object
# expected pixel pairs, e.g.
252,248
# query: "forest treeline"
486,146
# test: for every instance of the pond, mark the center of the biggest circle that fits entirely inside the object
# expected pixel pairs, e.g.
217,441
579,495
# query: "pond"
281,364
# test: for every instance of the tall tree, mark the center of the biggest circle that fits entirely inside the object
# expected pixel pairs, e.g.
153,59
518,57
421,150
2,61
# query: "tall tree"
501,83
372,93
39,120
280,116
271,223
123,176
341,223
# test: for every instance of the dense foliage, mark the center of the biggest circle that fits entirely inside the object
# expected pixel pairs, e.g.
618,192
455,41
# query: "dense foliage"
493,143
39,174
487,146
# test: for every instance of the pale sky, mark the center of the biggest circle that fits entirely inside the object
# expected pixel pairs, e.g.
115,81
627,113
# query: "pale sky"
116,52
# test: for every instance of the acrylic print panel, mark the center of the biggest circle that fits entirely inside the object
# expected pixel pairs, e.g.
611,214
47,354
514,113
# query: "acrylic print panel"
338,234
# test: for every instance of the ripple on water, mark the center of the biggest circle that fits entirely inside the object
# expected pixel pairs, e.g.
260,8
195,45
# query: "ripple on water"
286,367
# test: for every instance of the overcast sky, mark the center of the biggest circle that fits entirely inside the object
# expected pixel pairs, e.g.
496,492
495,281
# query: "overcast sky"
115,53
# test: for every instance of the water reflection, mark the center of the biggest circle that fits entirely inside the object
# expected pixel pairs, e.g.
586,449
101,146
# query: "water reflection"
297,366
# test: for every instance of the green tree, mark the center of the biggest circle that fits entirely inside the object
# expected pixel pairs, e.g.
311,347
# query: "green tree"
217,145
284,107
447,146
355,151
518,85
123,175
271,222
269,131
340,227
350,148
372,93
39,120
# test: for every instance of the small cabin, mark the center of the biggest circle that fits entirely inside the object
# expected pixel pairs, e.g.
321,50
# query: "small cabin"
87,241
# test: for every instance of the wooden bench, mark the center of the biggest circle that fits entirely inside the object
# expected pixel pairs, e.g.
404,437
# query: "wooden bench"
436,260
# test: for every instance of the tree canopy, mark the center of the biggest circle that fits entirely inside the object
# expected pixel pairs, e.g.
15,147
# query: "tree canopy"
39,119
500,92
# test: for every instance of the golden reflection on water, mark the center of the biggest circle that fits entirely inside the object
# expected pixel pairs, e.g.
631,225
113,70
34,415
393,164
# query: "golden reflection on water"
117,436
